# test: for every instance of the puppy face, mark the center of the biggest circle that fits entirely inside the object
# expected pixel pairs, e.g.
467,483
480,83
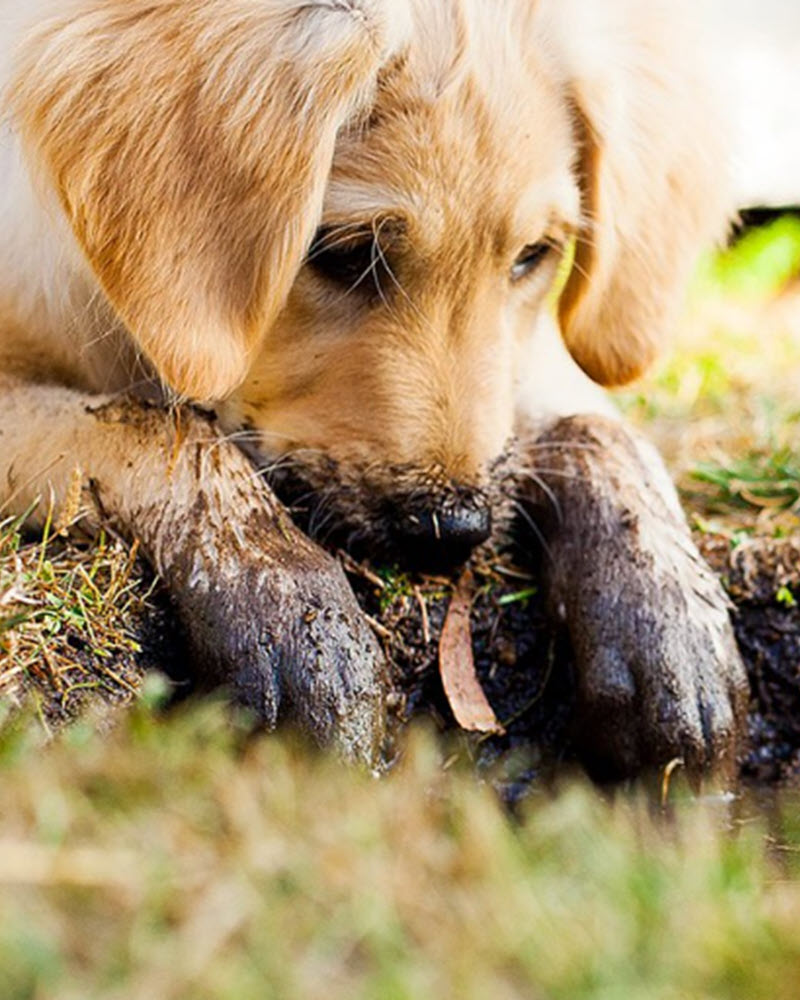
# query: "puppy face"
442,153
387,383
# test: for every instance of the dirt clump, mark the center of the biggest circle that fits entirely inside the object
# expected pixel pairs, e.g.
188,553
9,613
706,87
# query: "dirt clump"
762,576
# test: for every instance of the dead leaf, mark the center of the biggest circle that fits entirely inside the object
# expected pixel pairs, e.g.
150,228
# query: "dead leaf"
470,707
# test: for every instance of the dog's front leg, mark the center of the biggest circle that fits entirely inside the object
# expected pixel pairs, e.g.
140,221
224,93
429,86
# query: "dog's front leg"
659,674
268,615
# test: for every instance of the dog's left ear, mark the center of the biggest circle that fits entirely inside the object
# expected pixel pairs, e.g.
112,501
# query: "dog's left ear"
652,177
189,144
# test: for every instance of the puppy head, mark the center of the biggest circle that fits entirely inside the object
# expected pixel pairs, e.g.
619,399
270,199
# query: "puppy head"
393,368
342,219
446,212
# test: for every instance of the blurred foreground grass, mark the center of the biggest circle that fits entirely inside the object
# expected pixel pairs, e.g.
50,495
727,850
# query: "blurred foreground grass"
179,860
175,858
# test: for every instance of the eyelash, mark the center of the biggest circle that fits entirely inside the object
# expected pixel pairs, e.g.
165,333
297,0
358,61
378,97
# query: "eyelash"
531,258
347,262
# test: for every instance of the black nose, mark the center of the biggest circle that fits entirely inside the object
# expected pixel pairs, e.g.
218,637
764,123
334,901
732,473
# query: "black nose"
442,535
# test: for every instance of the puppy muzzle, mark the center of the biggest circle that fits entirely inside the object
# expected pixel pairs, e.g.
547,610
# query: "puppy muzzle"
440,532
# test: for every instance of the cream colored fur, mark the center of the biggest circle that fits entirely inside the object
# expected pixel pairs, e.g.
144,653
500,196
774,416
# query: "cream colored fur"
165,165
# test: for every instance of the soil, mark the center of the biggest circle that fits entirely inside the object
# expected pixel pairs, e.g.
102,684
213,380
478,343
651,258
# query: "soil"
524,666
762,576
526,669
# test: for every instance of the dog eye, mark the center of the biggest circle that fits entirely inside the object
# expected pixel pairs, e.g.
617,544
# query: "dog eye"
346,259
530,258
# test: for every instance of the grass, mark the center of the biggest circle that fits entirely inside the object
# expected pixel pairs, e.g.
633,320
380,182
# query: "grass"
723,404
765,481
176,857
758,266
69,614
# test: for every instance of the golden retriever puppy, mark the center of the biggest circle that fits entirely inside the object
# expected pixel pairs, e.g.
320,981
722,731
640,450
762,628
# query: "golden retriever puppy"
335,224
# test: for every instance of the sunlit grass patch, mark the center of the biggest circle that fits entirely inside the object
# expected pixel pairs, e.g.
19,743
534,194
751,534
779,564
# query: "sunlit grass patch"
723,405
68,617
759,265
755,482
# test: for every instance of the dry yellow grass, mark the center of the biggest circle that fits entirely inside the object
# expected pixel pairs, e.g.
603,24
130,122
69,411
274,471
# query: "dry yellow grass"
69,616
182,862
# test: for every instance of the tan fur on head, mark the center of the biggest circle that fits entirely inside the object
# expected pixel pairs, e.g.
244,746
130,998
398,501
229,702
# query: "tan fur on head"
418,363
197,146
189,144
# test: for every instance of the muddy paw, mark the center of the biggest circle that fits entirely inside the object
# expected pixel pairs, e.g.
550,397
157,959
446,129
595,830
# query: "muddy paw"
275,623
659,673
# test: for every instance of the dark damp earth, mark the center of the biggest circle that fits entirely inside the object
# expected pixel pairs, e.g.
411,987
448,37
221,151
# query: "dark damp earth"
523,664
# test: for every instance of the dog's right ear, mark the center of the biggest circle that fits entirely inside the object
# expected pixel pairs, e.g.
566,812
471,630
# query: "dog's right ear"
189,144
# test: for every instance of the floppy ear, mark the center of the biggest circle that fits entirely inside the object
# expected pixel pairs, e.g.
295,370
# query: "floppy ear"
189,142
652,178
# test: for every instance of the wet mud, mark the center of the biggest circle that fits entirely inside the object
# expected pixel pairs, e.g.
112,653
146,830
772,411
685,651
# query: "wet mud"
762,577
526,668
524,665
